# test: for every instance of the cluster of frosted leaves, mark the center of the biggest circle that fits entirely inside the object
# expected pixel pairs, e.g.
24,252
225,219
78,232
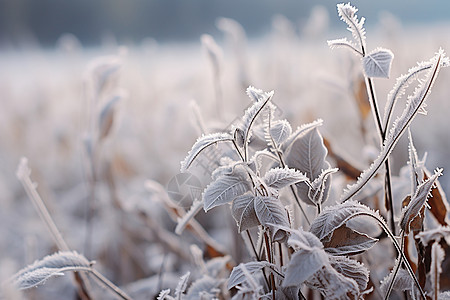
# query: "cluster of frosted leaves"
250,211
334,277
378,62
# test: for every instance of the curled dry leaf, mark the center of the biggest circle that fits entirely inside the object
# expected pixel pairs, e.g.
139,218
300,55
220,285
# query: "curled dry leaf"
346,241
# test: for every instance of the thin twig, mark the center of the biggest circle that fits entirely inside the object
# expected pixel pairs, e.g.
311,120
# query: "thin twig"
397,268
105,281
382,133
23,174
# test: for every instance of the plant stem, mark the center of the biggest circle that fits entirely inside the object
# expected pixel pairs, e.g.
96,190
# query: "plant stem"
253,245
374,104
382,133
23,174
388,195
398,248
237,150
41,209
280,249
270,259
257,256
105,281
300,294
397,267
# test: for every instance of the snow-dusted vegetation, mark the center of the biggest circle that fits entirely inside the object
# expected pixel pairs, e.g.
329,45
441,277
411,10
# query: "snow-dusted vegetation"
301,165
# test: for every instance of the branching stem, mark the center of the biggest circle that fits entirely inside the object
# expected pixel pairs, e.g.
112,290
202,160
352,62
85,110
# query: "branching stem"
382,133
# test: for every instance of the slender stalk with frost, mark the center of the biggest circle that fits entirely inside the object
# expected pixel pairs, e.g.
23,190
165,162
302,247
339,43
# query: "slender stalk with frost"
23,174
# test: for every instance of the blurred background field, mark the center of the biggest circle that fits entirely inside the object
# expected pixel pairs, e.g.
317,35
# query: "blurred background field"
50,49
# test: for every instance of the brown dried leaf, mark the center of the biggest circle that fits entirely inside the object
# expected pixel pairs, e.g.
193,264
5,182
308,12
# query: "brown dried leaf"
436,201
346,241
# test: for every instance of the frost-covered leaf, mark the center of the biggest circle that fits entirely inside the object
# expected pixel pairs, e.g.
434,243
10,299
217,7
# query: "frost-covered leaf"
333,285
237,275
39,276
164,294
238,135
402,83
333,217
182,285
201,144
243,211
416,171
303,264
205,284
224,190
352,269
257,95
307,154
346,241
418,200
356,27
438,201
106,117
213,51
228,167
299,132
279,132
270,211
261,100
378,63
103,71
51,265
300,239
278,178
343,43
184,221
400,125
320,187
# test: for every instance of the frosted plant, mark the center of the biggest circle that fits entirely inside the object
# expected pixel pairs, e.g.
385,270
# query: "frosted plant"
251,181
279,184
